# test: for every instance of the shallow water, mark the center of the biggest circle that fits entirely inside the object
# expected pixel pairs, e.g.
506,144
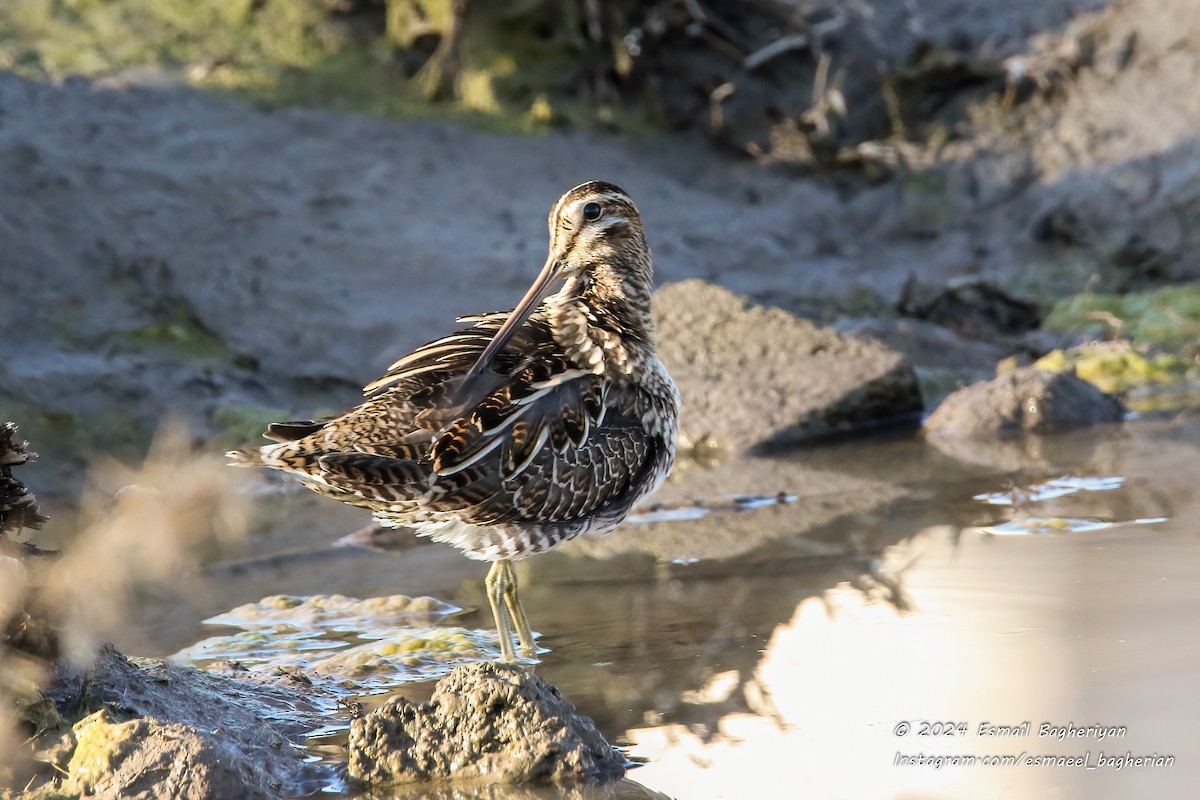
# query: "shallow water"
780,650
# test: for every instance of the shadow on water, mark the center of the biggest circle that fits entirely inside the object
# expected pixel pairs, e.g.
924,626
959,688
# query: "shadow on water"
740,651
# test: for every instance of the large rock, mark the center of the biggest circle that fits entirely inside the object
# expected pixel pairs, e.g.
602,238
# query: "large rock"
1023,401
492,722
755,378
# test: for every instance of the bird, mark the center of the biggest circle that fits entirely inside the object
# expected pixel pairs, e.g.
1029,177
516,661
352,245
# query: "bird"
520,430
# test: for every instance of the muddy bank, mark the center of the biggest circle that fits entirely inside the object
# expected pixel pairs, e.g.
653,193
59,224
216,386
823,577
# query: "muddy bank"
152,730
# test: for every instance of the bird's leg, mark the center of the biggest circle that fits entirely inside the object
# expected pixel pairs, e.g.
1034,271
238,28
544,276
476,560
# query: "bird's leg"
517,612
497,595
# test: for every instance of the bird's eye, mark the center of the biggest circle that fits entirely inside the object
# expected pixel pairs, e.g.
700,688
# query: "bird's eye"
592,212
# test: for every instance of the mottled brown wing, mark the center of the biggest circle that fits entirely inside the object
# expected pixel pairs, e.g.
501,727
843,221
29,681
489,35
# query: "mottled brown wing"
581,479
559,450
425,389
544,399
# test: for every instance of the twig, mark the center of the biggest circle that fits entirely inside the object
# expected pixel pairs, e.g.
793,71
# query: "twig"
794,41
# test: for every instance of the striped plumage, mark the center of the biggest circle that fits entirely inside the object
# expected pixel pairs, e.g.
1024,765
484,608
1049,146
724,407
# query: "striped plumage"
520,430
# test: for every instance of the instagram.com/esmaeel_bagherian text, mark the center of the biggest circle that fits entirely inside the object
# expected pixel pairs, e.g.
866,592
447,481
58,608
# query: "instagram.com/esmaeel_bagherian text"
1086,760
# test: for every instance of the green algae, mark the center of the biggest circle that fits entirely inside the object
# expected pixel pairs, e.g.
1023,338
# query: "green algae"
64,436
333,612
345,645
1142,341
1119,367
181,335
1167,318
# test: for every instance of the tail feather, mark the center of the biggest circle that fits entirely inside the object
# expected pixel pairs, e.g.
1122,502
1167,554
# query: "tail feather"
299,456
291,431
250,457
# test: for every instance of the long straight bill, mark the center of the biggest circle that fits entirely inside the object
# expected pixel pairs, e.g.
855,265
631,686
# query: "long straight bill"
517,318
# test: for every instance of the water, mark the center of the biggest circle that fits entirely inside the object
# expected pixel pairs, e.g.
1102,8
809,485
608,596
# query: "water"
780,650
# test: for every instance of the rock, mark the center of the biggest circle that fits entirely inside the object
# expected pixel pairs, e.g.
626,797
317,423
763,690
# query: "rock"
970,307
146,758
1025,400
756,378
942,358
159,731
494,722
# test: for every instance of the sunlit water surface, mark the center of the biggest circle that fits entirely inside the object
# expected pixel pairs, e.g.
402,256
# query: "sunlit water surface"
880,603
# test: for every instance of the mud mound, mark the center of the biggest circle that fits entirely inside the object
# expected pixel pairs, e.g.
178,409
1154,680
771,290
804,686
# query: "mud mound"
169,732
492,721
1023,401
755,378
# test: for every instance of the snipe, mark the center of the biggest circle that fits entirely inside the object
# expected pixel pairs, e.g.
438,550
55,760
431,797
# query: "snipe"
521,430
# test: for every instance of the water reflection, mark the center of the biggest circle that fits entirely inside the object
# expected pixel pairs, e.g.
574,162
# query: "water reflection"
1043,629
1052,489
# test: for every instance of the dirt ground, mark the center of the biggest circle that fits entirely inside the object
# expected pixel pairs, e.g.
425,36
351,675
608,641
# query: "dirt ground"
171,252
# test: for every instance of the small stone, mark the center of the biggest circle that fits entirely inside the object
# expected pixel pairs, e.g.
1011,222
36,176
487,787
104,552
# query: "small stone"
492,722
1026,400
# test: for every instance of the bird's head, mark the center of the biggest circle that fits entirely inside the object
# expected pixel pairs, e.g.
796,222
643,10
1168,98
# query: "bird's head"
594,228
593,223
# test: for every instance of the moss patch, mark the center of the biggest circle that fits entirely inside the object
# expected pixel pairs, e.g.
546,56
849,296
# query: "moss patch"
1156,338
1168,318
1119,367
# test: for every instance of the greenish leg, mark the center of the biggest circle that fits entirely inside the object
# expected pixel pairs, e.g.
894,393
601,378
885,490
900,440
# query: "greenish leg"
517,612
497,595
